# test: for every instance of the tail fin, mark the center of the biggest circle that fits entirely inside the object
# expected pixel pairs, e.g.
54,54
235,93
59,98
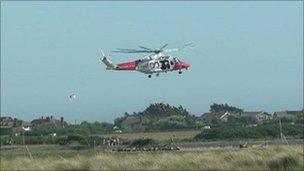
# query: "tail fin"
107,62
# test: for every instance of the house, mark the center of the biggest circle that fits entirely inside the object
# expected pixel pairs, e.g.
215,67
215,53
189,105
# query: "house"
207,117
259,115
16,125
6,121
288,113
135,123
219,116
23,126
10,122
49,122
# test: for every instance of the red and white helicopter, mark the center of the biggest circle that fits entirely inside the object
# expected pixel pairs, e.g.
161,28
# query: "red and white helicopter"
154,63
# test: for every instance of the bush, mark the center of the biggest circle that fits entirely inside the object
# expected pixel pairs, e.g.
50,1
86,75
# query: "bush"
142,142
74,137
62,140
95,140
172,122
126,142
293,130
260,131
11,140
6,131
229,132
6,140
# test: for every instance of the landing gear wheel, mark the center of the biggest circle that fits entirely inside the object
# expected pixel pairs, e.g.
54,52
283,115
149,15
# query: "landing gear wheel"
157,74
149,76
180,72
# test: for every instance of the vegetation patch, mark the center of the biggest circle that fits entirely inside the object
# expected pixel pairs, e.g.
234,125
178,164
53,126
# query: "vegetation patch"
287,162
287,158
143,142
230,132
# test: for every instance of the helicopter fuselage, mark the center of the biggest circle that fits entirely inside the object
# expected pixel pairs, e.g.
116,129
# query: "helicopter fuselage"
156,62
153,65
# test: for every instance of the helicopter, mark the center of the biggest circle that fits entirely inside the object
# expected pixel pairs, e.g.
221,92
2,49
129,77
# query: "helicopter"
154,63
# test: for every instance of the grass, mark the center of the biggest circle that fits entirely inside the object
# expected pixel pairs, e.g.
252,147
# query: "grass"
43,151
259,158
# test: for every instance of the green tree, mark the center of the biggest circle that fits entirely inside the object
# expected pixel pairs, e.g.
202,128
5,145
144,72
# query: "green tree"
214,108
159,110
172,122
6,131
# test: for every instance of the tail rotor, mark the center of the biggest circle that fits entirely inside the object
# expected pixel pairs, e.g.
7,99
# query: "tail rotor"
105,60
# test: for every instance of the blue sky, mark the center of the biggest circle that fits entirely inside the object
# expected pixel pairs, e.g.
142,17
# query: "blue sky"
248,54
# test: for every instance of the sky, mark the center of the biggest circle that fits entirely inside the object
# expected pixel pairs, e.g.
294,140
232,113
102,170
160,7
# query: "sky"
247,54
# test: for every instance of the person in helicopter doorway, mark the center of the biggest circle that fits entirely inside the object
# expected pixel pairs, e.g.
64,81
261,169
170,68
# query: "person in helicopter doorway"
165,65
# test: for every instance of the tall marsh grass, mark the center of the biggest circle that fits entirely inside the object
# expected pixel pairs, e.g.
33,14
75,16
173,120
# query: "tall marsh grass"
270,158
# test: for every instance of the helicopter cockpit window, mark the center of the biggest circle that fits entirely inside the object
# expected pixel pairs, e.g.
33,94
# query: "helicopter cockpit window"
165,57
176,60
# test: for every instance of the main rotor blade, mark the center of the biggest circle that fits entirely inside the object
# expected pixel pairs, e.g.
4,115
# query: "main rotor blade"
172,50
137,51
188,45
145,48
163,47
149,50
127,49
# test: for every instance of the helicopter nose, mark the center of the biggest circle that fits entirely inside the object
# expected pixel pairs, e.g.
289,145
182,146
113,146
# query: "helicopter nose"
185,65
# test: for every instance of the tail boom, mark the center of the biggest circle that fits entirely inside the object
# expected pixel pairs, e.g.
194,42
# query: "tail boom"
122,66
108,63
127,66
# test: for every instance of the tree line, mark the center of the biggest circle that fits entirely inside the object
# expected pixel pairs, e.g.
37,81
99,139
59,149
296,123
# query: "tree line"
166,117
